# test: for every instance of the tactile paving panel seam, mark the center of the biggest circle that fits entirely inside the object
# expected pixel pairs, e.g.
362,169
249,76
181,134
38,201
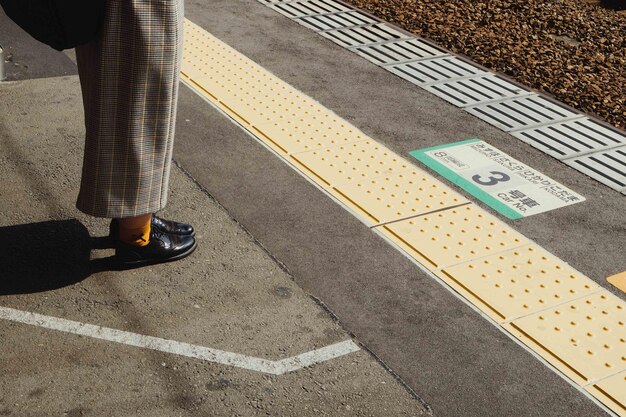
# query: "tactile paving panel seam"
359,36
453,236
521,113
395,52
573,138
476,90
351,162
436,70
608,167
612,392
585,339
393,197
518,282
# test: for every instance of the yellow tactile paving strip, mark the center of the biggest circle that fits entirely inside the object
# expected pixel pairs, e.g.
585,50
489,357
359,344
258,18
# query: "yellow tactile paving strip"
559,313
618,281
583,338
452,236
351,162
517,282
611,391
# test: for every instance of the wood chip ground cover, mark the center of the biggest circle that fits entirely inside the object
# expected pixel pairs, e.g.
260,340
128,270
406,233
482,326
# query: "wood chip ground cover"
572,50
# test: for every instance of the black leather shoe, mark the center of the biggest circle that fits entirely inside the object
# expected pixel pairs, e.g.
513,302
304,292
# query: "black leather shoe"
166,226
163,247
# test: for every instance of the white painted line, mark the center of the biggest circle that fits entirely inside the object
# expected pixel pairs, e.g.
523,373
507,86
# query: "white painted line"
314,357
279,367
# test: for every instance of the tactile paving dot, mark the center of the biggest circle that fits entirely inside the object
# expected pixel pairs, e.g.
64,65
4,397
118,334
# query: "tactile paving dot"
308,133
518,282
453,236
612,392
396,196
248,91
585,338
350,162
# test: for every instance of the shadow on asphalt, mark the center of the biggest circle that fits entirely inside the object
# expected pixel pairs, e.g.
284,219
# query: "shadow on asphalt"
49,255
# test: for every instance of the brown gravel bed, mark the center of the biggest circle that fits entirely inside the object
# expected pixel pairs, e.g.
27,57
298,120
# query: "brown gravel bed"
572,50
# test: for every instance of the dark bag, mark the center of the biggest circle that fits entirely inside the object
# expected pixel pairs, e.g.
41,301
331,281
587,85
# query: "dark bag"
62,24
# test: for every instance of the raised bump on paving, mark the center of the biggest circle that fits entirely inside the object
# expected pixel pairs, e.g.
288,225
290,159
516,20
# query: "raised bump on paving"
393,197
351,162
537,122
585,338
518,282
453,236
424,217
304,134
611,390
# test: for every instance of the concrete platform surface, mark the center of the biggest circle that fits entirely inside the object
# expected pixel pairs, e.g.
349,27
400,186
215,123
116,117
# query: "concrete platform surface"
230,295
270,244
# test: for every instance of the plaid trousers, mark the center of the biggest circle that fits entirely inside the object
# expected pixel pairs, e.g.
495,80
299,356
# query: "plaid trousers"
129,79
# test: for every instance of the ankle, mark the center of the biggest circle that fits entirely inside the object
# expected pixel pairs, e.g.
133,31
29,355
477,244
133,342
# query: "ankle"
135,230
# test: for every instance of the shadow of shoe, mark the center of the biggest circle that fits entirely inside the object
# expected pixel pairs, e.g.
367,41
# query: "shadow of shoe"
49,255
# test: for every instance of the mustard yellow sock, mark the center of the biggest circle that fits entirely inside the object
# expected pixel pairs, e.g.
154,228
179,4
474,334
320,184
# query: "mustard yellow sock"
138,237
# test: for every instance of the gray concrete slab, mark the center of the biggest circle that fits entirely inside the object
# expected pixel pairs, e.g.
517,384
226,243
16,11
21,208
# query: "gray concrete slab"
446,352
28,58
229,295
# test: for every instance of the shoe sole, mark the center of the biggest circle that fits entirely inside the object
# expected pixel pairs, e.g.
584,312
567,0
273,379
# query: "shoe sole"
144,262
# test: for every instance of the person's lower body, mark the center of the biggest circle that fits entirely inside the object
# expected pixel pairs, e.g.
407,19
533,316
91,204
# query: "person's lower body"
129,78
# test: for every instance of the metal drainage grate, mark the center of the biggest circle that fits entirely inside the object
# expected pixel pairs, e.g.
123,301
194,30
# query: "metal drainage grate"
436,70
359,36
478,90
573,138
608,167
308,8
335,21
396,52
522,113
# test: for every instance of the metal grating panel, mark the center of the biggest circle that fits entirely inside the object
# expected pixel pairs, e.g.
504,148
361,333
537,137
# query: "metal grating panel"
396,196
452,236
435,70
573,138
521,113
398,51
612,392
335,21
518,282
351,162
608,167
308,8
474,91
585,339
359,36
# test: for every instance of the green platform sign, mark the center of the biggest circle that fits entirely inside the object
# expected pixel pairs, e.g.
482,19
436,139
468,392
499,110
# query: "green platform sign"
505,184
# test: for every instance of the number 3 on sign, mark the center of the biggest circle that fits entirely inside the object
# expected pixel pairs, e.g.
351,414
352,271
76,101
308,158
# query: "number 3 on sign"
495,178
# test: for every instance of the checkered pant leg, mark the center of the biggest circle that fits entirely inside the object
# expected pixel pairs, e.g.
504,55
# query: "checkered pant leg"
129,79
